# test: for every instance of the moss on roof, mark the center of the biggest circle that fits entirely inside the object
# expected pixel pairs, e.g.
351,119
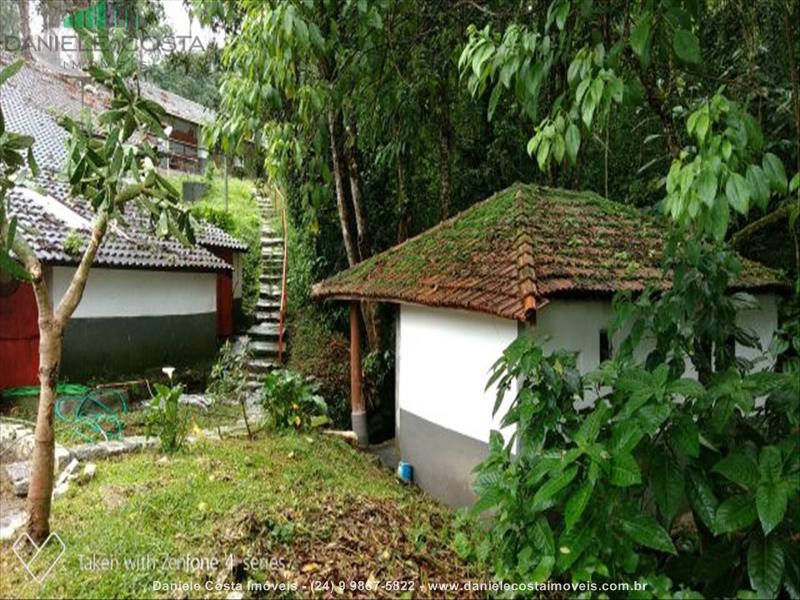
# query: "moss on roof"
509,254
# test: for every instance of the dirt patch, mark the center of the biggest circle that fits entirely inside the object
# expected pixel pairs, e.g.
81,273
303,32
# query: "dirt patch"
360,544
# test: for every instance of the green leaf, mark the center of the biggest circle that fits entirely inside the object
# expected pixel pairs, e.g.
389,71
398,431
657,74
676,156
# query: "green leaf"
707,187
577,504
573,139
667,482
702,500
770,463
645,530
686,46
684,436
771,502
735,514
773,167
738,468
765,564
543,497
625,470
738,192
11,70
640,38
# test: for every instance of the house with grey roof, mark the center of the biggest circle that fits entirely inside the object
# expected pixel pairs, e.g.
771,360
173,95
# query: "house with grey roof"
149,301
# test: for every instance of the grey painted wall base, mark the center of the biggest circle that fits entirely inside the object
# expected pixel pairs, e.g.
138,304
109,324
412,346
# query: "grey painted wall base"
442,459
359,424
124,345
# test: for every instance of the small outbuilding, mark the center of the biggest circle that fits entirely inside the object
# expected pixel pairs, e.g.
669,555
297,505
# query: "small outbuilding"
528,259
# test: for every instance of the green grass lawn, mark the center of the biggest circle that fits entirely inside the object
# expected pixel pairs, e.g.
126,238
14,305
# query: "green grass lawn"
304,511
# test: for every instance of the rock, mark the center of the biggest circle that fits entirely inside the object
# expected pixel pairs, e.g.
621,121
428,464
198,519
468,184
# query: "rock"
89,470
196,400
348,436
63,456
18,474
10,522
62,484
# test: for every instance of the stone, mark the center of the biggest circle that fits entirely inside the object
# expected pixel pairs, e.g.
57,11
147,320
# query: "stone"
62,484
18,474
10,522
87,474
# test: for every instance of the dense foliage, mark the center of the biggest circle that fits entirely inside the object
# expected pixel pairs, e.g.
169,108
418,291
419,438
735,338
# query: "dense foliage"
290,402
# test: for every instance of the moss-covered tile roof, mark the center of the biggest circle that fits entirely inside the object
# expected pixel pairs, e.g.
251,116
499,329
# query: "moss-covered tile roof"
509,254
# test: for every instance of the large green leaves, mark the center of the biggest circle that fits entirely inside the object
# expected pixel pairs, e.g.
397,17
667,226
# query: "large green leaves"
765,564
645,530
624,470
686,46
667,482
735,514
739,468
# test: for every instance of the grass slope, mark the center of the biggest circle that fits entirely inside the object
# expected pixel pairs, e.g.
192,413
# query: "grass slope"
306,511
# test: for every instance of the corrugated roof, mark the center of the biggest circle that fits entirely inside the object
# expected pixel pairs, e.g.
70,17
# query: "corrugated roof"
510,254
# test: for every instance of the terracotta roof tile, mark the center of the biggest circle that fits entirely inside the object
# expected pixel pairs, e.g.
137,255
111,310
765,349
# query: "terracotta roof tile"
511,253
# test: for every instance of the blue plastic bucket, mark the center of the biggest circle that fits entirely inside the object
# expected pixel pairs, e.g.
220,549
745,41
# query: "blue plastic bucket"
405,472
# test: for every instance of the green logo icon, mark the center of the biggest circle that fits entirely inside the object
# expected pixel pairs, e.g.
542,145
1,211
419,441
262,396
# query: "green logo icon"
103,15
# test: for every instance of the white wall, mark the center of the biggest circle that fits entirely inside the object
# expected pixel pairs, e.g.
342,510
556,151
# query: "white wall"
575,325
763,321
444,362
139,293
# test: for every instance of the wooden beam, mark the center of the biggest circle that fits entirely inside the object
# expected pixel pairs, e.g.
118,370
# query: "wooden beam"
358,413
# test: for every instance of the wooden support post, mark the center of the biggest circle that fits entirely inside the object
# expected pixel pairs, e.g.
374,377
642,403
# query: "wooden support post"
358,414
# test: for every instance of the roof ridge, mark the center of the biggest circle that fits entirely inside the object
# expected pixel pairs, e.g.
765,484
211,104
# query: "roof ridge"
526,267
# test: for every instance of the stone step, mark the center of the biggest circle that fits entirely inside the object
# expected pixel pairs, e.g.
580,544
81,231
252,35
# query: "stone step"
268,331
271,241
264,348
269,290
271,278
268,316
266,305
261,365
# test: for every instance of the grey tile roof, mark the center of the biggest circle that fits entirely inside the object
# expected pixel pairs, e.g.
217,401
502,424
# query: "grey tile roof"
178,106
32,113
44,226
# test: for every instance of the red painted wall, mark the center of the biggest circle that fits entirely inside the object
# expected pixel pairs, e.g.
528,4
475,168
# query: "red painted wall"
19,338
224,295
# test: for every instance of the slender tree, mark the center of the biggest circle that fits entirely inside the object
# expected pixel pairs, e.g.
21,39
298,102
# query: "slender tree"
107,170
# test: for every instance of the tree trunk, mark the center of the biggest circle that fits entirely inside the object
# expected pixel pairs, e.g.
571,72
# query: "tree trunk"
51,331
25,28
445,187
40,489
341,201
404,222
351,151
793,74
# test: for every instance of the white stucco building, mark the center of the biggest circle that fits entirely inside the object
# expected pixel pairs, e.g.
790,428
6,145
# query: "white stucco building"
527,261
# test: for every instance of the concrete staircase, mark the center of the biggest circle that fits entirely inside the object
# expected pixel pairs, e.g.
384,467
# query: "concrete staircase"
264,332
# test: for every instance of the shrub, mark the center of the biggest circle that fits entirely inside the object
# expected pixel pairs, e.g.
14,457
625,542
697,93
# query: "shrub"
683,483
166,418
319,353
228,380
291,403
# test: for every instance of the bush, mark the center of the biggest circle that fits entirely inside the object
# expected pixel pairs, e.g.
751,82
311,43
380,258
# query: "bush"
323,355
166,418
683,483
228,380
291,403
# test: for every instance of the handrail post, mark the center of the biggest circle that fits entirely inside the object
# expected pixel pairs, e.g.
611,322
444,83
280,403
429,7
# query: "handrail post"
282,312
